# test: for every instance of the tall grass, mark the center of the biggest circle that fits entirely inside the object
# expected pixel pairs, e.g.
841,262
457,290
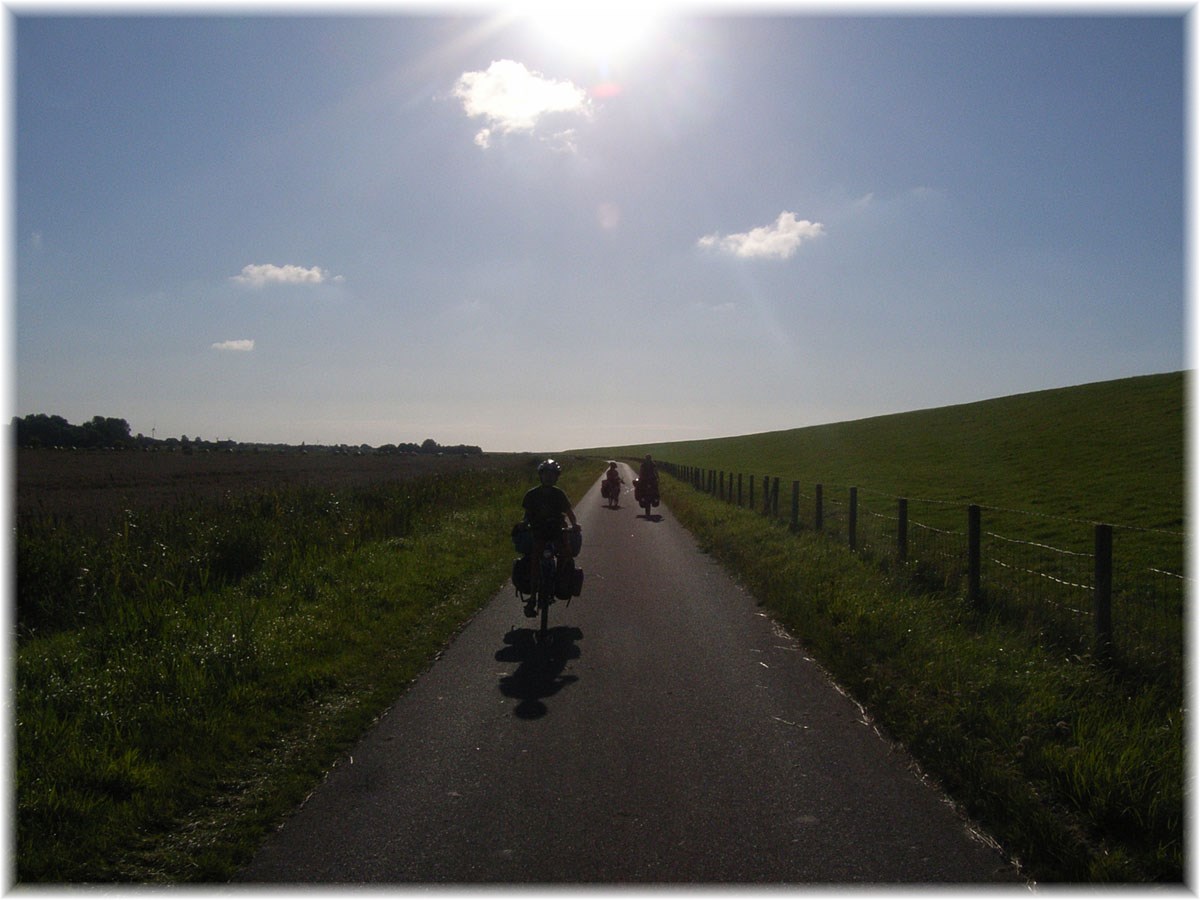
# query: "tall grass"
185,678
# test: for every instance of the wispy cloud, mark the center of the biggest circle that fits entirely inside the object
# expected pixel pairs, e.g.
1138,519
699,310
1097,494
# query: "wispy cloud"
511,98
262,275
240,346
778,240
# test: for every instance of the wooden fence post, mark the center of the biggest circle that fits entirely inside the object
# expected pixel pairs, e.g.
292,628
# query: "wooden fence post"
852,527
819,520
775,498
974,533
750,505
1102,600
739,488
795,506
902,531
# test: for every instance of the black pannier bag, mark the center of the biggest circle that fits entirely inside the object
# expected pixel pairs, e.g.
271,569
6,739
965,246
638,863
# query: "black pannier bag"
569,580
521,577
522,538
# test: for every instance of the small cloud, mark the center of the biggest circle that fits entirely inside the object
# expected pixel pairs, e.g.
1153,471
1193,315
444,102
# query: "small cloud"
608,215
242,346
778,240
261,275
511,98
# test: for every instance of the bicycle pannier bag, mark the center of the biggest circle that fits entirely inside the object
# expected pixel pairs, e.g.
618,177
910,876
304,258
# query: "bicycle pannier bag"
521,576
522,538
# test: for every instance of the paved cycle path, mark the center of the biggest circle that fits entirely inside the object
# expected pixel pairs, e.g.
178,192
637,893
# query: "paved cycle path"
675,735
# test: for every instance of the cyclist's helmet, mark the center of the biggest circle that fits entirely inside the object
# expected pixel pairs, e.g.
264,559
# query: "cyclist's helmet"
549,465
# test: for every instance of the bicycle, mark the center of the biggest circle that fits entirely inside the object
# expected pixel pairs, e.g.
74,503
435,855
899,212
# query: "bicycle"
554,577
646,495
544,588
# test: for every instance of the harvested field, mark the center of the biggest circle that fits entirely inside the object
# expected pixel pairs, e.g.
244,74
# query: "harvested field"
92,486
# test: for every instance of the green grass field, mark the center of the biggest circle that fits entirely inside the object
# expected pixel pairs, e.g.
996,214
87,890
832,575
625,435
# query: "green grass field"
1108,452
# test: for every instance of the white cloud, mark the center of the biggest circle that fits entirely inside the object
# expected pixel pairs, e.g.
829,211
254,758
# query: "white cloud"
778,240
261,275
510,98
608,215
242,346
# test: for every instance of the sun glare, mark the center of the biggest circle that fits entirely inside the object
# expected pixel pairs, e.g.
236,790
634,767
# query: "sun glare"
602,31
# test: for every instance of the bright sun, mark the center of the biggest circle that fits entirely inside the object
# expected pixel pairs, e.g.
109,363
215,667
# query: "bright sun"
601,31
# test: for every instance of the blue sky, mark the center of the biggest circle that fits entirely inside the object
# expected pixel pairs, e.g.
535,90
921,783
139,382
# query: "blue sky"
488,229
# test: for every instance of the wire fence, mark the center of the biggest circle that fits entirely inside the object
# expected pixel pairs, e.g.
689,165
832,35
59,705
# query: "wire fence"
1099,598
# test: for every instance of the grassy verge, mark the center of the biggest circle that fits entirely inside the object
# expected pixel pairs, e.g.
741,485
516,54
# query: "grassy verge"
183,682
1080,777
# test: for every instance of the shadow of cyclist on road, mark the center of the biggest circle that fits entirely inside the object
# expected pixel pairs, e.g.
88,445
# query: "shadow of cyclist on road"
539,671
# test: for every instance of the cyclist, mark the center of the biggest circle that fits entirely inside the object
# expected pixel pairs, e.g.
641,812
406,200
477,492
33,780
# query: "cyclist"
613,482
545,506
645,486
648,474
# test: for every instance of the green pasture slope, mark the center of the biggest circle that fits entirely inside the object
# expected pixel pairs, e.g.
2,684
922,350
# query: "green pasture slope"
1107,452
1111,452
1075,767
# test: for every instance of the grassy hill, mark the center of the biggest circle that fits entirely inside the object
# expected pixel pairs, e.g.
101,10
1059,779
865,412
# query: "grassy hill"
1107,452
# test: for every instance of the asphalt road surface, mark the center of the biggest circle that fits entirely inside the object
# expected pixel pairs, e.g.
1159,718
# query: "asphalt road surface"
675,735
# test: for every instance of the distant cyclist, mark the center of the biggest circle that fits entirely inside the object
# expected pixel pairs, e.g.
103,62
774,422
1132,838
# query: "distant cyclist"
612,485
648,475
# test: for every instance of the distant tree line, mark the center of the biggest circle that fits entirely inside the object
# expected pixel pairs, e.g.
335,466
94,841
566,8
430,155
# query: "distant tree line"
41,430
429,445
101,432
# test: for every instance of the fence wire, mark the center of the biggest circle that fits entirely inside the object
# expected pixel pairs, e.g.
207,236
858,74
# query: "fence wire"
1049,590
